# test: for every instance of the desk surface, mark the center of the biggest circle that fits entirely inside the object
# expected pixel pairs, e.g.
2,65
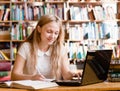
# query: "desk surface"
94,87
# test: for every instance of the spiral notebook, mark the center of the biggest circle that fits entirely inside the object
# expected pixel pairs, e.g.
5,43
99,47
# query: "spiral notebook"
95,69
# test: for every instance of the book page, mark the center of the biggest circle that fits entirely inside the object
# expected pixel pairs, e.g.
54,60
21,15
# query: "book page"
29,84
5,84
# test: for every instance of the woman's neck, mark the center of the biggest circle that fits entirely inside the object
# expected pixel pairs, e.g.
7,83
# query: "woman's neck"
43,48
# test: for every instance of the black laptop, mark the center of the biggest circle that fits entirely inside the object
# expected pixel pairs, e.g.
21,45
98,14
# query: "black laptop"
95,69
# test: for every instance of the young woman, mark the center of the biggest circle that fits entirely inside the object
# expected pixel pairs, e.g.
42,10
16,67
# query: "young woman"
43,55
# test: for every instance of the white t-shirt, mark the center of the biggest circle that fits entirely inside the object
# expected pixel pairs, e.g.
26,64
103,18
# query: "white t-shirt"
43,61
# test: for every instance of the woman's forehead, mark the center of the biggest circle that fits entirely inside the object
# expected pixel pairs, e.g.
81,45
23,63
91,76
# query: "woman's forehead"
52,24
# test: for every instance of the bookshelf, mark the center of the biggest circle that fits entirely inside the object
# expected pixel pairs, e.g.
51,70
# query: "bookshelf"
84,21
96,24
5,27
22,18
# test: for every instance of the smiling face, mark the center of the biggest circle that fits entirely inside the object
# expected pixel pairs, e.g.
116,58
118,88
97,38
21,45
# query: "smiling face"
49,33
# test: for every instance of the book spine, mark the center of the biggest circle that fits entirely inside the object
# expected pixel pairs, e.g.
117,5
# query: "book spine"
5,78
4,56
7,12
4,73
5,65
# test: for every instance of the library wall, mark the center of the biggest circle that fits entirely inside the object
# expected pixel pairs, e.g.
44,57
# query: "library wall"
88,25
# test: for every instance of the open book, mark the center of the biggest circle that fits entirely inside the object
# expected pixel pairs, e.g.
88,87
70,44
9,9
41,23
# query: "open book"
28,84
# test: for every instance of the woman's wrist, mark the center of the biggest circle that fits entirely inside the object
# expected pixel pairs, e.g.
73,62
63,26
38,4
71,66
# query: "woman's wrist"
73,74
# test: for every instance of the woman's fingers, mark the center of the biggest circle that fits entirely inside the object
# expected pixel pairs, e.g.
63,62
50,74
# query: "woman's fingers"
77,74
38,77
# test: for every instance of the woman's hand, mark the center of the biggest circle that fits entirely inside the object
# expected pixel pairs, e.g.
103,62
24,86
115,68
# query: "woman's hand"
77,74
38,77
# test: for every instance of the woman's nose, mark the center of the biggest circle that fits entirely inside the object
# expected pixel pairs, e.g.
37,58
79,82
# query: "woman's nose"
52,35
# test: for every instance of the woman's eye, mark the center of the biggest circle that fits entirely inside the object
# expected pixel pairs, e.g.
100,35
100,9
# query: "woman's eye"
48,31
56,33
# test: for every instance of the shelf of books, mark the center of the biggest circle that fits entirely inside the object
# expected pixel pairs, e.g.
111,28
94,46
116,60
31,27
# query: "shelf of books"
5,63
23,16
93,25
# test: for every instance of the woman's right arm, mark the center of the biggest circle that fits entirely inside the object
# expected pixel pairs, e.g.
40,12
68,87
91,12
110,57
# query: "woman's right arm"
17,71
20,61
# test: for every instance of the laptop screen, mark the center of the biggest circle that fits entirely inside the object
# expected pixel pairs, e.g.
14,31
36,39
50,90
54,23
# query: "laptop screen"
96,66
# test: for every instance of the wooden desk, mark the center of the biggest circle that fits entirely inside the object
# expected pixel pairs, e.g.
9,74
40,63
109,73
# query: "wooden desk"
94,87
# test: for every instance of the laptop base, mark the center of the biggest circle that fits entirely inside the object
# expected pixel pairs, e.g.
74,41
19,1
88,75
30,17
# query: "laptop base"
68,82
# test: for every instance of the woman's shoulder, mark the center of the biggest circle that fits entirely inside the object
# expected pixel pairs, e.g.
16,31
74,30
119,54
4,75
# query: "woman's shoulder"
64,50
25,45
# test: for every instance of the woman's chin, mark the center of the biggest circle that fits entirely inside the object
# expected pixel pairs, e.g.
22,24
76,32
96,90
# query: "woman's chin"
50,43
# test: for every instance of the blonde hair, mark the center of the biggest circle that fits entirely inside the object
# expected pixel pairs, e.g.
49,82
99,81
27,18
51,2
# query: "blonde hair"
57,47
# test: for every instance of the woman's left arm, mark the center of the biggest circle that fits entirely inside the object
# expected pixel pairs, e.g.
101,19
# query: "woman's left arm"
67,74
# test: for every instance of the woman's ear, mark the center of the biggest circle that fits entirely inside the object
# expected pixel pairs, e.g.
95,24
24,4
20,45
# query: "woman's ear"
39,29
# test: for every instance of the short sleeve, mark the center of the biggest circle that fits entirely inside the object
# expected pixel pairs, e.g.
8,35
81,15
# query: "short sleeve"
24,50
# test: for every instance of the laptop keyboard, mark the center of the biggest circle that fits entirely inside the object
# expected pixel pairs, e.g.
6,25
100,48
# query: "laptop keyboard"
68,82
